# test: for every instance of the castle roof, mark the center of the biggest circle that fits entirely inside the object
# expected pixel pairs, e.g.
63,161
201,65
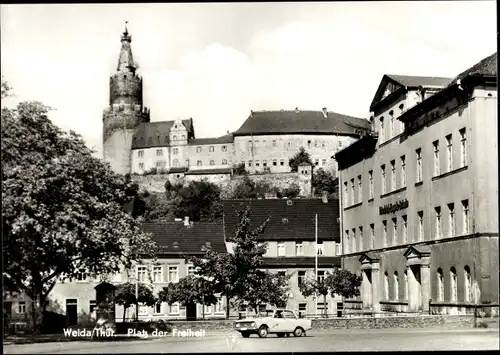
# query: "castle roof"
155,134
292,219
226,139
301,122
486,67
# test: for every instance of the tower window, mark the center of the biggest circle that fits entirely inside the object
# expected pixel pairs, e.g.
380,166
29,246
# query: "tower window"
211,149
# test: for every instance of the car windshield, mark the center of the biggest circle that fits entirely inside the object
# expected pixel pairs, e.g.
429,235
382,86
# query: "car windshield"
266,313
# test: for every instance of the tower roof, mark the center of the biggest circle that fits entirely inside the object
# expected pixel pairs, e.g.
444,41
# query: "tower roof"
126,60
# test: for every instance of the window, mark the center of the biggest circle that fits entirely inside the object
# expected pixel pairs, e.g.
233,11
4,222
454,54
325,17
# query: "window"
395,285
405,229
405,275
173,308
435,145
143,309
346,242
463,147
319,247
92,305
453,284
360,238
158,308
289,144
320,307
299,249
354,240
257,163
256,143
157,274
340,144
249,163
159,152
451,219
198,149
440,285
420,216
186,162
281,249
360,189
393,174
437,210
219,306
141,166
264,163
174,137
175,163
403,171
352,191
140,153
384,233
370,177
323,162
449,152
198,163
382,130
183,136
301,277
21,307
282,162
323,145
391,125
465,216
321,275
275,163
382,168
418,154
175,151
394,231
302,310
160,164
308,144
212,162
173,274
372,236
224,161
211,149
190,270
386,286
346,196
142,273
274,143
468,296
224,148
316,161
249,144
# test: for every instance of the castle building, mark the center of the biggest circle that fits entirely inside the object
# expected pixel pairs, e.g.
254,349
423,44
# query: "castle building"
419,199
133,144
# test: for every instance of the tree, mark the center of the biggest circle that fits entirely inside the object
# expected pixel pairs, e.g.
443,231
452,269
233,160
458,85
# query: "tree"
61,202
125,296
341,282
200,200
292,191
245,188
189,290
300,157
265,287
239,169
324,181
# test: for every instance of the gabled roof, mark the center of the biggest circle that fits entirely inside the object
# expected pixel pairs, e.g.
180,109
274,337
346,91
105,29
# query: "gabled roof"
398,84
301,122
155,134
292,219
486,67
419,251
226,139
209,171
177,239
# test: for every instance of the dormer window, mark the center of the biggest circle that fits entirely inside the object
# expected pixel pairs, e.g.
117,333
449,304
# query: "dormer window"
174,137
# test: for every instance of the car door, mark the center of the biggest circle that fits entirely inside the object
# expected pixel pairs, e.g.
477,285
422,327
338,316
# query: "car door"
289,321
276,322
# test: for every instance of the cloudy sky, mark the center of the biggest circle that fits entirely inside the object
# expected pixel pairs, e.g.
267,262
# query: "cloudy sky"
216,62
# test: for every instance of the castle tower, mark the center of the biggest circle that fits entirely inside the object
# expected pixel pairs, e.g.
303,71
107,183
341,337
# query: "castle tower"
125,111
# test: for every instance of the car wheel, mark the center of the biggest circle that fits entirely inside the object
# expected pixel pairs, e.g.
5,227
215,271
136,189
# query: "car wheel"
281,335
245,334
298,332
263,332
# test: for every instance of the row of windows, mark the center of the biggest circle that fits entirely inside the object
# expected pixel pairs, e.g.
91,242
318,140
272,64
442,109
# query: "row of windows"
274,143
175,151
350,195
155,273
392,125
175,163
274,162
299,249
355,235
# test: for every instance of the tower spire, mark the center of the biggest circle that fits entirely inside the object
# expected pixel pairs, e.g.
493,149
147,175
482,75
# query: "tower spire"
126,60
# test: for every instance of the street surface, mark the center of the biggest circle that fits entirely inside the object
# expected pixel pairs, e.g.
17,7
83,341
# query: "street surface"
334,340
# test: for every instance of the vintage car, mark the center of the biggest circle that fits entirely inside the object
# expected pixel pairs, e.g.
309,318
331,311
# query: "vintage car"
281,322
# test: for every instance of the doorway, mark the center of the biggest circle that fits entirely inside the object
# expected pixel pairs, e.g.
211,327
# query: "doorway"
367,289
416,290
71,312
191,311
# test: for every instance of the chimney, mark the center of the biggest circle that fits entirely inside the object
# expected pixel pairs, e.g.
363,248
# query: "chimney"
296,110
325,112
251,113
324,197
186,221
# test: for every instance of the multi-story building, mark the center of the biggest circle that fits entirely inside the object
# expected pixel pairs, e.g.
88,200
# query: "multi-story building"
76,299
303,241
419,199
264,143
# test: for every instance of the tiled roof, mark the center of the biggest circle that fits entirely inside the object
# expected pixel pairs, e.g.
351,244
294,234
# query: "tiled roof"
209,171
177,170
155,134
177,239
295,221
301,261
300,122
416,81
486,67
228,138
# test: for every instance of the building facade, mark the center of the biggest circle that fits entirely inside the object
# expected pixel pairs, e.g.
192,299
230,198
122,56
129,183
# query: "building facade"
293,246
264,143
419,197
